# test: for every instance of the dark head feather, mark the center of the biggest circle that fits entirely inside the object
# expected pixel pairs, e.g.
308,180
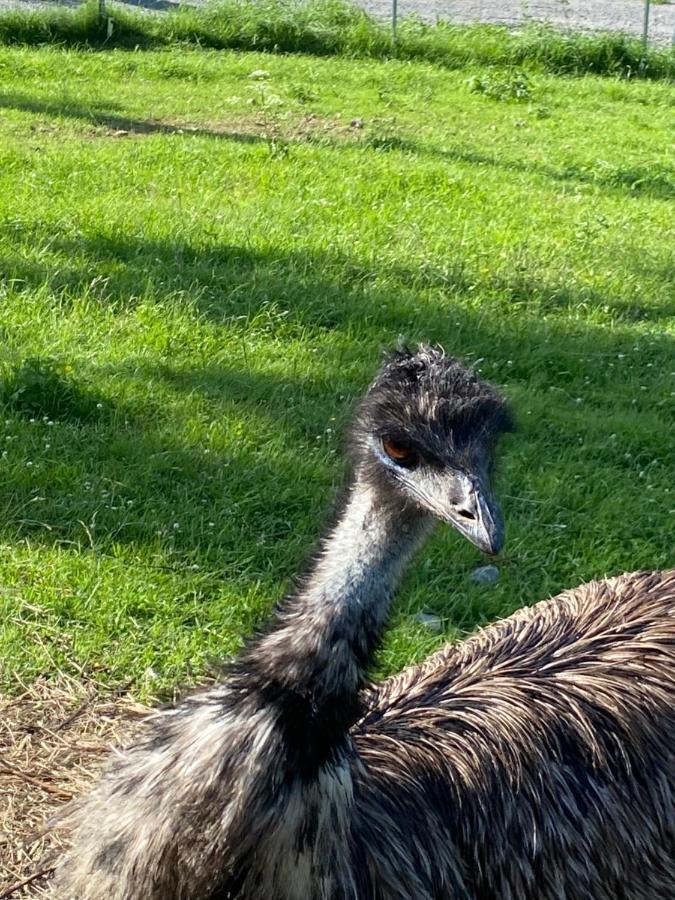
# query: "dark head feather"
434,402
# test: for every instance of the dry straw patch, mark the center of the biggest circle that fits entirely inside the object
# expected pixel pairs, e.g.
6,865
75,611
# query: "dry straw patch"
55,736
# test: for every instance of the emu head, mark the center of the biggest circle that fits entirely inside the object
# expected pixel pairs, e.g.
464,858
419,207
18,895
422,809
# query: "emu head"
424,436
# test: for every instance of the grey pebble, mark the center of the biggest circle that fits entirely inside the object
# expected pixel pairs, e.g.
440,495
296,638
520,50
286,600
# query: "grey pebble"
485,574
430,622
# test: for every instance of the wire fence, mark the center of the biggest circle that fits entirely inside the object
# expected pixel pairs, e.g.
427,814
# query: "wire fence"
652,20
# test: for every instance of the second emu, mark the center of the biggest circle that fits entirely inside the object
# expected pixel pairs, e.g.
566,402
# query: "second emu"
535,761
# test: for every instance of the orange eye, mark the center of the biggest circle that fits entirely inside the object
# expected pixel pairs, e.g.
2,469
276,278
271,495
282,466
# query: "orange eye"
400,453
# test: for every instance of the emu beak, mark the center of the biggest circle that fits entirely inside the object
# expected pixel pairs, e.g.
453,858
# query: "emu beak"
475,513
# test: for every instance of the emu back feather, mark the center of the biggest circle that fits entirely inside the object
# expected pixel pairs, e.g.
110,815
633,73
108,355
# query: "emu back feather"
535,761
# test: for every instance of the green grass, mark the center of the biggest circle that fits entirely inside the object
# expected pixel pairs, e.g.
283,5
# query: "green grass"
202,254
328,27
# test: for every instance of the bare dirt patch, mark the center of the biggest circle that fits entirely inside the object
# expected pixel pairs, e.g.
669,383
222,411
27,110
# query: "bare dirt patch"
249,129
55,736
246,129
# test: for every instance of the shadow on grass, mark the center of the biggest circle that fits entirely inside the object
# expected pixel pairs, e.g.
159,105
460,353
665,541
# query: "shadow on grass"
133,474
109,117
635,181
227,281
658,183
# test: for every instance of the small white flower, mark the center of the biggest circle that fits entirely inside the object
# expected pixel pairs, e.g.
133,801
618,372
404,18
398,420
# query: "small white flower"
176,526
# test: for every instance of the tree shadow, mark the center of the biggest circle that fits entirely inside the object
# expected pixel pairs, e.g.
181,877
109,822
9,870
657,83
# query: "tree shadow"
634,181
227,281
108,115
131,472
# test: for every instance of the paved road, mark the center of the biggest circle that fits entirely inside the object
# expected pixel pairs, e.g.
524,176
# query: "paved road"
588,15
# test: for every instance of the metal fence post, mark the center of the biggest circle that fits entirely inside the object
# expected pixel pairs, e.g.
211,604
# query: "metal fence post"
394,20
645,25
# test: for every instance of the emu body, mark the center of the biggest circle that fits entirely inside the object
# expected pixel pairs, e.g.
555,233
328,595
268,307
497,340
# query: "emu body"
533,761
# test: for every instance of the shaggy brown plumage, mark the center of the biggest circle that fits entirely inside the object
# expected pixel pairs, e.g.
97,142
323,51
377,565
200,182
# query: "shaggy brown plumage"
533,762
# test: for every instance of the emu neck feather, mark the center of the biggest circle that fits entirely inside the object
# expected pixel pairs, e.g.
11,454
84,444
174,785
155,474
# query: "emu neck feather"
324,638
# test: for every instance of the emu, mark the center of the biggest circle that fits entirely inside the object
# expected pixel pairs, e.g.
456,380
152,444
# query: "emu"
535,761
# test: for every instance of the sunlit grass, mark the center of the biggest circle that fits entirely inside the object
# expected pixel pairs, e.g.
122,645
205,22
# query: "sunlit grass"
202,256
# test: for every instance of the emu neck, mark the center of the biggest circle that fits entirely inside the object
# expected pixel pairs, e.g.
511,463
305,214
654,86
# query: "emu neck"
362,559
313,662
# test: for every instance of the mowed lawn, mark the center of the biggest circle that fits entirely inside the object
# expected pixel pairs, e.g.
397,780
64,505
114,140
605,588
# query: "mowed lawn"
202,256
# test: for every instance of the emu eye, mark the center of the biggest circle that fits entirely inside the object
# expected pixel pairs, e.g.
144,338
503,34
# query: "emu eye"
400,453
